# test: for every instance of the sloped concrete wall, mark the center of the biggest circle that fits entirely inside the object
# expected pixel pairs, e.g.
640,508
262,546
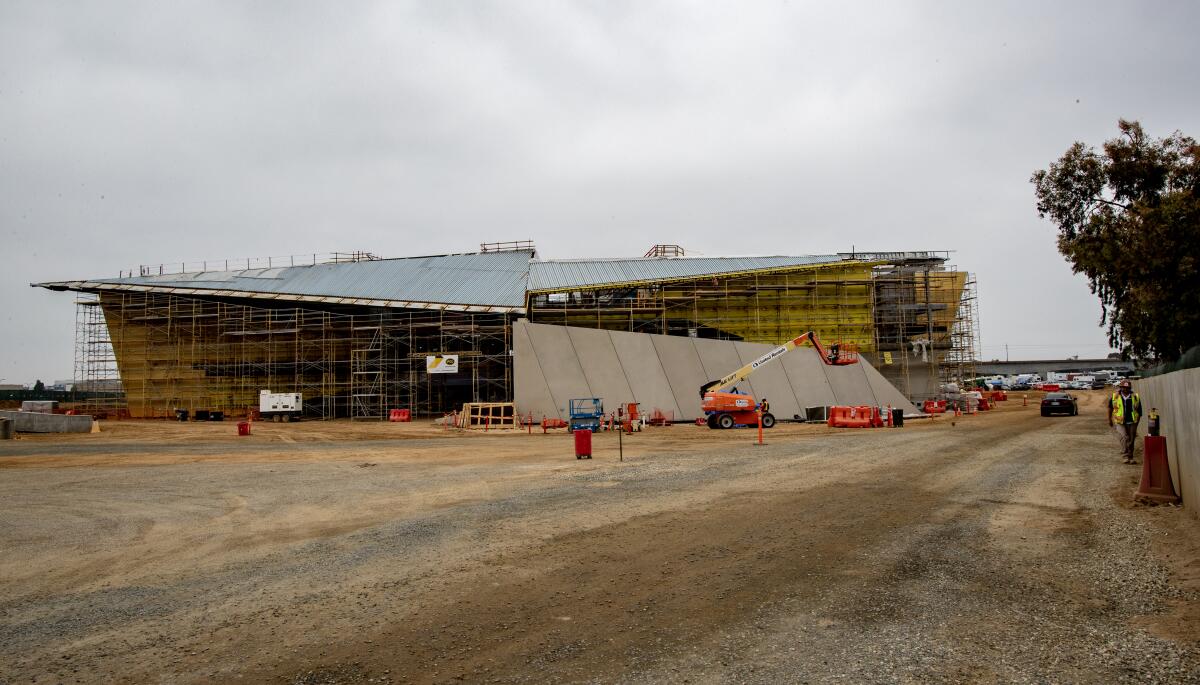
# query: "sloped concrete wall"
1176,396
681,363
647,379
553,364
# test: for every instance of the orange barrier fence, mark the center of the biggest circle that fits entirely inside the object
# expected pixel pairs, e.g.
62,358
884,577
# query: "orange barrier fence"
854,417
660,418
547,424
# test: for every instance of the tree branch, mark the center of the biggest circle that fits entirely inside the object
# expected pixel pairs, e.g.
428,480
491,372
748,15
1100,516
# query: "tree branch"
1111,202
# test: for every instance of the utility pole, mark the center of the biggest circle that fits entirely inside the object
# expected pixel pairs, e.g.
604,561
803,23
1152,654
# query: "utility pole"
1005,351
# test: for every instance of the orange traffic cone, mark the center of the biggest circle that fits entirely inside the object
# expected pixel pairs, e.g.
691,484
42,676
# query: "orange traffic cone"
1156,487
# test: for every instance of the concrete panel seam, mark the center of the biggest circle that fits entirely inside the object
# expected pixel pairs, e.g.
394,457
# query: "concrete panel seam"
545,382
622,366
666,375
579,363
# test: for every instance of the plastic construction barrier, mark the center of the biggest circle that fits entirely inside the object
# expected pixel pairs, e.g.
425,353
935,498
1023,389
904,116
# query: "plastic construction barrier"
999,396
934,407
400,415
984,405
854,417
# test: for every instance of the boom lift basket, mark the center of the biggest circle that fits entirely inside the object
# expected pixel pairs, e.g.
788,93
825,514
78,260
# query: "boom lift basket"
842,354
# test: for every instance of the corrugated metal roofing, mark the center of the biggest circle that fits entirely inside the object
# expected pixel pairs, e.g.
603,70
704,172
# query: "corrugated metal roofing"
491,279
565,274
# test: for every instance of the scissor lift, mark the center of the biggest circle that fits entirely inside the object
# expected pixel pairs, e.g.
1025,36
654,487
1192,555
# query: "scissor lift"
585,413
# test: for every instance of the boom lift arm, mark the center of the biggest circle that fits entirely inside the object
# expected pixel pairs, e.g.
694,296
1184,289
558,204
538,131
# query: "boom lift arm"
834,357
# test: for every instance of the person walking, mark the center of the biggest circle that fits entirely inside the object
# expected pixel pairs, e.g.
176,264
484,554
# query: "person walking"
1124,412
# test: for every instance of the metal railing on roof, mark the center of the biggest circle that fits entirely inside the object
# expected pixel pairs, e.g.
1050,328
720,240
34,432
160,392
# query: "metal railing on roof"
939,255
664,251
508,246
246,263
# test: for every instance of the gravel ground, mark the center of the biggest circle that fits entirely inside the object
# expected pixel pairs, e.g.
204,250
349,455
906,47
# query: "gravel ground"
997,549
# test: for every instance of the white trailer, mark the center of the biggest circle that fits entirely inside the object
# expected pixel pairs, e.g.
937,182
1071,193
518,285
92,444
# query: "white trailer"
280,406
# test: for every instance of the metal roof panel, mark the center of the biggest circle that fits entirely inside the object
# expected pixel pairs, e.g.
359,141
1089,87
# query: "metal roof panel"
567,274
487,279
490,279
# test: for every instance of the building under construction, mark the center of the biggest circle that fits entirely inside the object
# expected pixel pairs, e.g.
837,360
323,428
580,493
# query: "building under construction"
357,334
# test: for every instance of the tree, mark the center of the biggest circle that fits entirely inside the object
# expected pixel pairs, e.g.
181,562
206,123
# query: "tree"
39,386
1129,219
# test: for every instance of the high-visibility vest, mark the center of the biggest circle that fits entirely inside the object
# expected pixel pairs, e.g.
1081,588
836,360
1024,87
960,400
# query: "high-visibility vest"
1118,407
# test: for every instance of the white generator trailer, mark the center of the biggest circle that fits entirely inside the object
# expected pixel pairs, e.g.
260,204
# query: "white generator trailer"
280,406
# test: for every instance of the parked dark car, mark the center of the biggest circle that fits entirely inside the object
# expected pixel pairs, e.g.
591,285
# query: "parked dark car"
1098,385
1059,403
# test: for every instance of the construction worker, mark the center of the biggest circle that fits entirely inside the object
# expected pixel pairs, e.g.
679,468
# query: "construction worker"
1124,412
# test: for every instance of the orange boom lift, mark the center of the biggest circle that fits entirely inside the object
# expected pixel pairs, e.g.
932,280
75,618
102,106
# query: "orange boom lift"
729,409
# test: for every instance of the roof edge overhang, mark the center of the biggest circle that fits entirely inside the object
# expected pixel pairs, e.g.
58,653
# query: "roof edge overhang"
718,274
100,286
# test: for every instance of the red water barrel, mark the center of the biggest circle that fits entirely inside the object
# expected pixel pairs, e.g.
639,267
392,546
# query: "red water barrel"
583,444
243,428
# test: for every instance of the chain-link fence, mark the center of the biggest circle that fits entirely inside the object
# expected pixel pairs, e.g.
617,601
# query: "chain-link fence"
1189,360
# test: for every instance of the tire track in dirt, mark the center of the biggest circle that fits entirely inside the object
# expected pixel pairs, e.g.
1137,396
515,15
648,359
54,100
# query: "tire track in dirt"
626,597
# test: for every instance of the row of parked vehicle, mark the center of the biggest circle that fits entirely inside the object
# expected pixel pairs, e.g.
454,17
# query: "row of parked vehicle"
1076,385
1034,382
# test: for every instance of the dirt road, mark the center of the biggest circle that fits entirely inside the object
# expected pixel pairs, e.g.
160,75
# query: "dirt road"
997,547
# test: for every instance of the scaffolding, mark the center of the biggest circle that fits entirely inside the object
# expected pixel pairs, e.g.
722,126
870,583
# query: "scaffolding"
96,386
183,352
924,312
909,311
760,306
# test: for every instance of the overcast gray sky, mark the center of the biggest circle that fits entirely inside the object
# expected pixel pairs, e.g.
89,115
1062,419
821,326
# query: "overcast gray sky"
172,131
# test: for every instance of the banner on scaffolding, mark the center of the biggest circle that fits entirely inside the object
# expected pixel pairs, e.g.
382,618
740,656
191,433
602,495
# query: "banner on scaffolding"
441,363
